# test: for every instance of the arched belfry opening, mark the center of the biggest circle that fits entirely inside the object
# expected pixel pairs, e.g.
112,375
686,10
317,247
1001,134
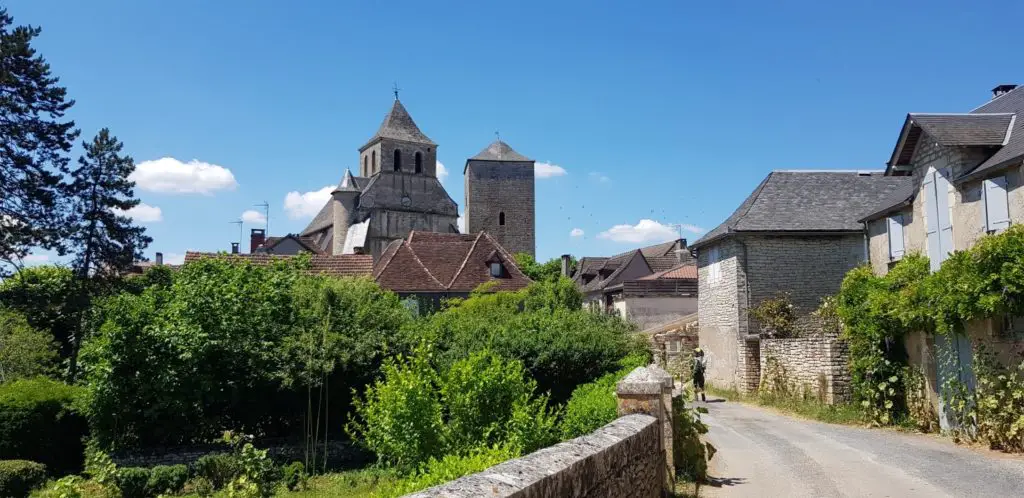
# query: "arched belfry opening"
398,160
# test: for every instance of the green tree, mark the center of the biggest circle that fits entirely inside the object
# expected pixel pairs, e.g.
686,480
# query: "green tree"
104,240
542,272
34,143
24,351
45,296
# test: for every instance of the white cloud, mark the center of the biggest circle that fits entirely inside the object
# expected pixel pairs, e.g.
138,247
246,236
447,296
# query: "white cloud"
170,176
442,172
599,177
461,224
254,217
142,213
576,232
693,228
306,204
548,170
644,231
36,258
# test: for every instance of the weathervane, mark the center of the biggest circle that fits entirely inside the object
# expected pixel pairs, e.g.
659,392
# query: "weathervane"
395,89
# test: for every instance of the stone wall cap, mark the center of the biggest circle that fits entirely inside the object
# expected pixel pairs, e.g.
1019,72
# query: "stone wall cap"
666,378
640,381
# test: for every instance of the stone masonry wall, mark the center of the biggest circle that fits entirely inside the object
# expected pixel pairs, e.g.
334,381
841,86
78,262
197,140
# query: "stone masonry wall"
493,188
816,364
719,311
623,458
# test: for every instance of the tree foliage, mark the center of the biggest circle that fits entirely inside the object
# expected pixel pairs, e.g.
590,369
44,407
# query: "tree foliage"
24,351
542,272
34,142
45,295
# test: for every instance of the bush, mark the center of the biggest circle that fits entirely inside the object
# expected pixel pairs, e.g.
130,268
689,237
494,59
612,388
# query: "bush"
24,351
19,477
775,315
451,467
45,295
133,482
295,476
217,468
691,455
40,421
591,407
199,486
166,479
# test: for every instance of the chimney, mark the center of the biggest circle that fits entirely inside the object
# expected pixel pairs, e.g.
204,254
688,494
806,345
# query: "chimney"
566,262
159,258
1002,90
256,238
234,248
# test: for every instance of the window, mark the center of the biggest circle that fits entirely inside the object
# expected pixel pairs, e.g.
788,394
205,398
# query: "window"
496,270
714,266
673,346
398,160
895,229
373,159
419,162
996,210
501,218
366,167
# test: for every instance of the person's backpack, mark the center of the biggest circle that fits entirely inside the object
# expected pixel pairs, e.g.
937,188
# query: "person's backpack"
698,366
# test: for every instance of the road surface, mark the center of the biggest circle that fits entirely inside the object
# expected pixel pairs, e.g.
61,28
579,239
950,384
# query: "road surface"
761,453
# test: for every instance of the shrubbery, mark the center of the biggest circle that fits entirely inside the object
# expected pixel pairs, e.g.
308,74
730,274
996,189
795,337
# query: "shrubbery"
19,477
448,468
24,351
594,405
40,421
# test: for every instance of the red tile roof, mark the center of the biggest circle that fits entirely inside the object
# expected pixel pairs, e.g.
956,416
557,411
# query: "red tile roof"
686,271
442,262
345,265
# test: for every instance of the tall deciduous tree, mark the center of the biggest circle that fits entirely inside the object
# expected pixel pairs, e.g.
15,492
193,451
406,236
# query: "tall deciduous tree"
34,143
102,238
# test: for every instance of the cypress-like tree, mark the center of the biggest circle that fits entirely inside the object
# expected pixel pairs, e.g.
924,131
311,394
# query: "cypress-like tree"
103,240
34,146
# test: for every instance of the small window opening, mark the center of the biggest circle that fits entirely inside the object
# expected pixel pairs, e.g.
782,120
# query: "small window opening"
495,269
373,160
419,162
501,218
366,165
398,160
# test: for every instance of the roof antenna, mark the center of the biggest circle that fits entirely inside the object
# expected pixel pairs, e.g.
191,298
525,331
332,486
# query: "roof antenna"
395,89
239,223
266,214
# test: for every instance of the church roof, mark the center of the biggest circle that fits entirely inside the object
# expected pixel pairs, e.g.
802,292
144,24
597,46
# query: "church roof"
500,151
325,218
398,125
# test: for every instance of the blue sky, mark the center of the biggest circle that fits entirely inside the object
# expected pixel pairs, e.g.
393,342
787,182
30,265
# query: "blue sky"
668,111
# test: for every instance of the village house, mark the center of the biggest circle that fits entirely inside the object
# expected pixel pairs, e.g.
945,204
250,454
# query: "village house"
964,182
798,233
650,286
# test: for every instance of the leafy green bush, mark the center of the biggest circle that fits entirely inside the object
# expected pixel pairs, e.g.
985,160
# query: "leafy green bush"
416,413
295,476
40,421
24,351
776,315
999,402
166,479
217,468
450,467
691,455
45,295
19,477
133,482
591,407
257,475
199,486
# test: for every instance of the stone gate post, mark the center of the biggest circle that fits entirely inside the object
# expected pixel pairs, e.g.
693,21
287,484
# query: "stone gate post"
648,390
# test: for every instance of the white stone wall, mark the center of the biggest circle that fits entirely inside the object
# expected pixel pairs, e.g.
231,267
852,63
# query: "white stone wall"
651,311
818,365
720,314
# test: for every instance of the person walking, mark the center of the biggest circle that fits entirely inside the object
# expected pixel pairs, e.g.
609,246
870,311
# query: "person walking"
700,364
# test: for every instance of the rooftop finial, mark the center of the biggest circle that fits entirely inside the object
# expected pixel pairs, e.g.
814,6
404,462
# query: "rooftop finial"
497,138
395,89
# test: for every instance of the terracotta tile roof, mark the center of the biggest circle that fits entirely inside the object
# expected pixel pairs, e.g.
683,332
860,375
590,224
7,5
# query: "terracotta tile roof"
346,265
687,271
442,262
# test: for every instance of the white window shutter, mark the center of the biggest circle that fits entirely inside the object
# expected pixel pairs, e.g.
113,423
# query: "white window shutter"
997,209
896,248
931,216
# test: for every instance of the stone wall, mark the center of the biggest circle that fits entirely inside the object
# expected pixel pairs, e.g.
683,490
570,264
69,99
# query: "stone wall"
721,311
819,365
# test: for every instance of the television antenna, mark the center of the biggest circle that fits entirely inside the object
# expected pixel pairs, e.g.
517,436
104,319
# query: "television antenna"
239,223
266,215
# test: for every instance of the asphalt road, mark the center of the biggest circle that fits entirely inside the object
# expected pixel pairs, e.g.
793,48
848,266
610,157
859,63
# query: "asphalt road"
761,453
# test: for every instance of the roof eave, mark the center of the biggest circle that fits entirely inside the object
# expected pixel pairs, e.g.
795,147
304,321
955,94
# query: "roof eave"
977,174
882,212
907,125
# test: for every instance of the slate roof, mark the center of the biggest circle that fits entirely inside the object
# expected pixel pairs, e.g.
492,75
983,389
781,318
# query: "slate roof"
965,129
347,265
808,201
325,217
445,262
499,151
658,257
306,242
900,198
1013,151
398,125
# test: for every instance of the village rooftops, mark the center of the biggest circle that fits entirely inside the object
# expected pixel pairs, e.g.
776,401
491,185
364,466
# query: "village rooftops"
808,202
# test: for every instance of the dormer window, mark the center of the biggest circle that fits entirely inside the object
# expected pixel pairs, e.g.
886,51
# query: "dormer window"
496,270
494,263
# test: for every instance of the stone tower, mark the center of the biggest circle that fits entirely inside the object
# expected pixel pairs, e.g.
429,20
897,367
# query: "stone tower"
500,197
344,199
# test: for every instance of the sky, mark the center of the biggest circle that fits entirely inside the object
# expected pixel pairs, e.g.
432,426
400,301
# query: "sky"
647,119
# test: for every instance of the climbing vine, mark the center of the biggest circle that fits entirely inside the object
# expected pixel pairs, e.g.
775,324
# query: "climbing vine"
986,281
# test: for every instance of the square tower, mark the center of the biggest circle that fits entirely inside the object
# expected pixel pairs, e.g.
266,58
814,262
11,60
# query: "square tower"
501,198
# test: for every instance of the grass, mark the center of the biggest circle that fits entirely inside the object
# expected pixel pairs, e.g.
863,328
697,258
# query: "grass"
842,413
360,483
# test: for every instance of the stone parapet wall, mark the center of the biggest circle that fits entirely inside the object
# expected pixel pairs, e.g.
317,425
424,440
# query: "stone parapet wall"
623,458
820,365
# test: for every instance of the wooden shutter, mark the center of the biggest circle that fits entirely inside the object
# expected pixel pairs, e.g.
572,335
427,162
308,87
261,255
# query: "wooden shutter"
997,210
931,220
945,223
896,248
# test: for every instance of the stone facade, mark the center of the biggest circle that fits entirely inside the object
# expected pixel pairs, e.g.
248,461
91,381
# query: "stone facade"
501,200
817,365
652,311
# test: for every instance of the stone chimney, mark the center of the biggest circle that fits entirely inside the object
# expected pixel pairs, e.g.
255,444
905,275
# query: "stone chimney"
256,238
1000,90
159,258
234,248
566,265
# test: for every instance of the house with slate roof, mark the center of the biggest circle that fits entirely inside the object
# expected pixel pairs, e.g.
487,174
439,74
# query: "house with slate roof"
964,181
430,267
797,233
650,286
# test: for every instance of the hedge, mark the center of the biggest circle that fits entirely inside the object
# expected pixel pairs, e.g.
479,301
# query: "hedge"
40,421
19,477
